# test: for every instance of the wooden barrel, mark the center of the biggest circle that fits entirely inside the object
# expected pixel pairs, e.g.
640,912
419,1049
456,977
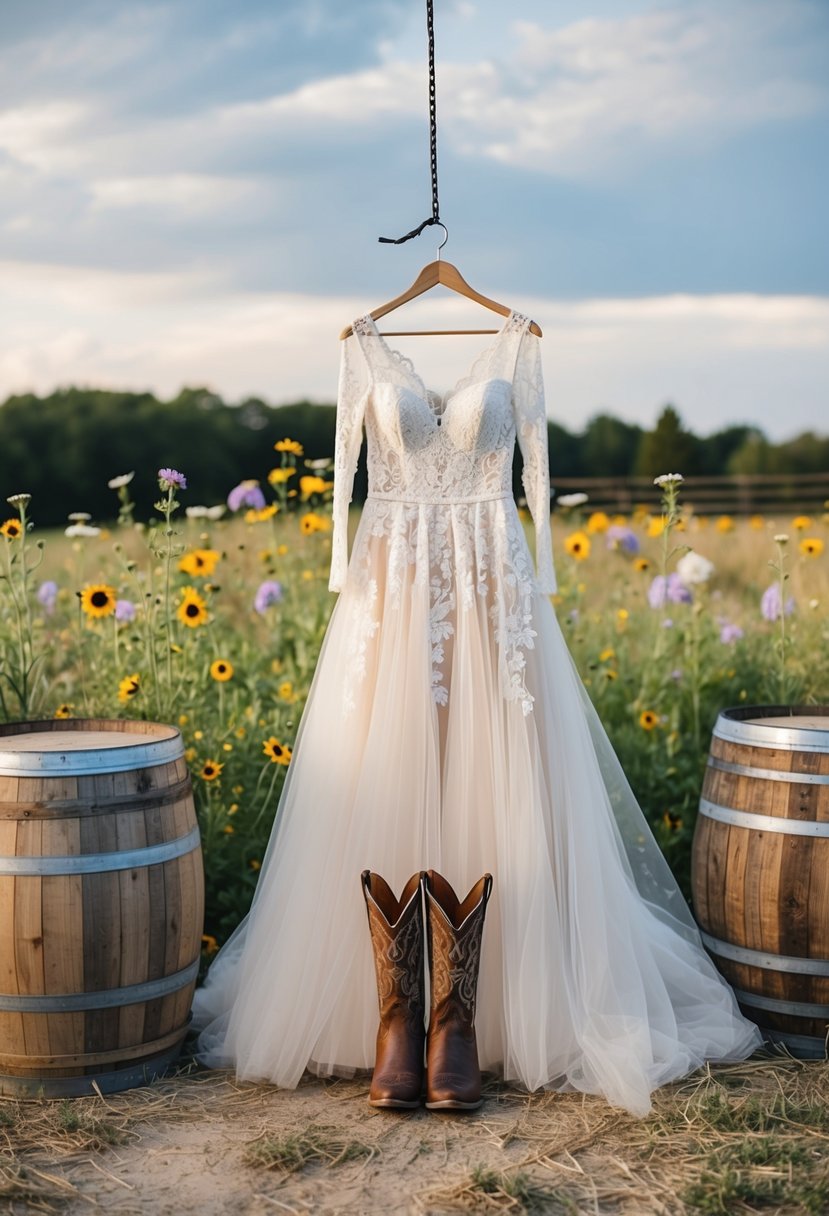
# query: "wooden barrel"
101,904
760,868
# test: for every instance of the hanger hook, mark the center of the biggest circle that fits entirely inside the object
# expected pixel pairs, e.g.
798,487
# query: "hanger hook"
440,224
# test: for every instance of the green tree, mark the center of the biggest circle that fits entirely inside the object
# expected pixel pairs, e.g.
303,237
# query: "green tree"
668,448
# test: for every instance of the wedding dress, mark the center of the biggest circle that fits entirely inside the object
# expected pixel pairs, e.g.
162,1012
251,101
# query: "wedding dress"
447,727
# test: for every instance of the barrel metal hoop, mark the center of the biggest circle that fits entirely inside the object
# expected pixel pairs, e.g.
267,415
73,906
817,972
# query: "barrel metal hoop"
95,863
805,1046
778,738
768,774
761,958
762,823
109,998
112,1081
86,1059
798,1009
88,761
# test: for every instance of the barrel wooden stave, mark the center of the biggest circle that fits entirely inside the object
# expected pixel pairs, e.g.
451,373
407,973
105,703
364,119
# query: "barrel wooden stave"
767,890
91,932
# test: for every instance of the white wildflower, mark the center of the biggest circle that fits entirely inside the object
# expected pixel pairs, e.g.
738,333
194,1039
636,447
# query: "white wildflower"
666,479
693,568
79,517
19,500
319,464
571,500
123,479
82,530
782,538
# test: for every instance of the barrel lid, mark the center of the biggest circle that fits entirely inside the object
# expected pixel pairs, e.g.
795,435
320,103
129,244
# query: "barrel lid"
85,746
801,728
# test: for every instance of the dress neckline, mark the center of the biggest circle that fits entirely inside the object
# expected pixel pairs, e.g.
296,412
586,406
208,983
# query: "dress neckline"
428,395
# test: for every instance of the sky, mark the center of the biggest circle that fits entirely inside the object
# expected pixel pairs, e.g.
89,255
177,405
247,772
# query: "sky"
191,192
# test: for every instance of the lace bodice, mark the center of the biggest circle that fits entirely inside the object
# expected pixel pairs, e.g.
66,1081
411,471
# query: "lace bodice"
462,454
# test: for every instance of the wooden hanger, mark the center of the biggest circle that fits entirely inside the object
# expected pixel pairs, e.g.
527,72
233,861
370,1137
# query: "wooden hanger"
444,273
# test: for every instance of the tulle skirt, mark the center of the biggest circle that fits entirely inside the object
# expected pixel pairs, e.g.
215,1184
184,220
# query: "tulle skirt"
411,755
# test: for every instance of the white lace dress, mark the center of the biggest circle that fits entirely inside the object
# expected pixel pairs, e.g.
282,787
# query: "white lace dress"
447,727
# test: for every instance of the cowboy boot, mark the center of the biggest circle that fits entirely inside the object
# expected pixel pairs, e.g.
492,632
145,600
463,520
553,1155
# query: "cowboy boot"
453,1077
397,942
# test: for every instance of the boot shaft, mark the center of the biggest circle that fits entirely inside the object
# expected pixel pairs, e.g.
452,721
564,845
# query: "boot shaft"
454,933
397,942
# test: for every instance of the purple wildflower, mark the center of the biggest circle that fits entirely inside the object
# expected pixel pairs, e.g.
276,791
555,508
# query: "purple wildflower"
676,674
270,592
124,610
619,537
170,479
771,603
246,494
730,633
668,591
47,594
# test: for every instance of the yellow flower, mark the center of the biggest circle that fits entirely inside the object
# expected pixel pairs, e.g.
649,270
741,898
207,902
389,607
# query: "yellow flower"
209,943
192,611
227,747
11,528
198,734
228,829
725,523
278,754
286,690
598,522
98,599
281,550
801,522
307,575
255,863
221,670
240,732
211,769
674,822
289,445
648,719
313,485
757,522
611,673
260,515
811,546
641,565
128,687
622,614
190,754
183,719
278,476
577,545
656,525
64,710
200,562
311,522
607,654
233,808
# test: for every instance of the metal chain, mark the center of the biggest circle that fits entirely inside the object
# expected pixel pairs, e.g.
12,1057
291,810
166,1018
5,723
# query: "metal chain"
433,137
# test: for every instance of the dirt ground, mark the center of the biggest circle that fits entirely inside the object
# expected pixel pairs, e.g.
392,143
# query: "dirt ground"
743,1138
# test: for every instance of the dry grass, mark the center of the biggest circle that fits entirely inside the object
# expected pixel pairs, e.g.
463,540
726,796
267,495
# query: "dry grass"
732,1140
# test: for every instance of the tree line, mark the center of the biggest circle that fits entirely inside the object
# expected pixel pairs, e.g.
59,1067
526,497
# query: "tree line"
64,447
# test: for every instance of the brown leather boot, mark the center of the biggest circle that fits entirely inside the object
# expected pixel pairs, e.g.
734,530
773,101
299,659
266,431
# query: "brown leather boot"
453,1077
397,940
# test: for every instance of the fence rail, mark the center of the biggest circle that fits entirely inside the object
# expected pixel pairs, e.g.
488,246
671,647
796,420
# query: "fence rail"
757,493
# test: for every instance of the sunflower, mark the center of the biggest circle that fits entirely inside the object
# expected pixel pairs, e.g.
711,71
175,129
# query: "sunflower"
255,864
607,654
309,523
64,710
208,943
674,822
211,769
200,562
648,719
309,485
289,445
278,753
577,545
11,528
192,611
641,565
656,525
98,599
258,515
598,522
128,687
802,522
725,523
221,670
286,691
811,546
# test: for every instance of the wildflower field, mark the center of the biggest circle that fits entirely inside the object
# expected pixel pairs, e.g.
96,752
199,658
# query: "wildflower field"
211,617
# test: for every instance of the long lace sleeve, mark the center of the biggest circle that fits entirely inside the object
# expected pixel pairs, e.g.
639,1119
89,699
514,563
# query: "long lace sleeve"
531,429
351,398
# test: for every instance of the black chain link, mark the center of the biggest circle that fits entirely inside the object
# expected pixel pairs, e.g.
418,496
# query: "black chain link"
433,138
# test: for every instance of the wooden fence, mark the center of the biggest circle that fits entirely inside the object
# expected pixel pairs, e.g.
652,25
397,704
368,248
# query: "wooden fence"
754,494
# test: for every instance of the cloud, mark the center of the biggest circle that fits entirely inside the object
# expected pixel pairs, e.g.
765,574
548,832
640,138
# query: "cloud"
720,358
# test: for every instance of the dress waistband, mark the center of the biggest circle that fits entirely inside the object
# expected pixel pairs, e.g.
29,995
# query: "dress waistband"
506,496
